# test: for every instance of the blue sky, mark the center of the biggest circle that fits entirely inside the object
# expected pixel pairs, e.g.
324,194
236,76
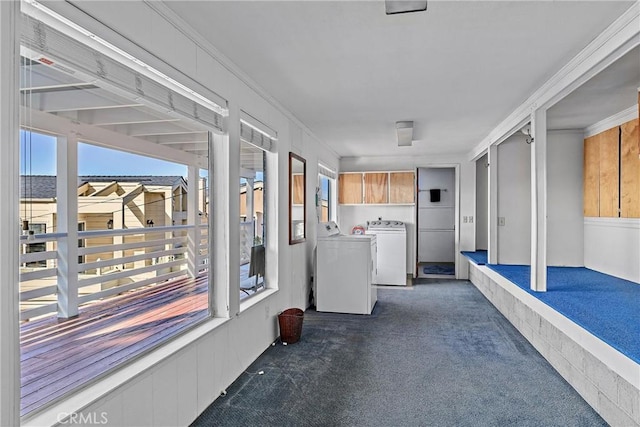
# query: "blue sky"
38,157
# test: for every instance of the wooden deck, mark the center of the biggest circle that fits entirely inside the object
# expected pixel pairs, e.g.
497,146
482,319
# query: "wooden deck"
58,356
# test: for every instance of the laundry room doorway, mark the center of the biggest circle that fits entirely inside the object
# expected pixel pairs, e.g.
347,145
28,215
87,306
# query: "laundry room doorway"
437,219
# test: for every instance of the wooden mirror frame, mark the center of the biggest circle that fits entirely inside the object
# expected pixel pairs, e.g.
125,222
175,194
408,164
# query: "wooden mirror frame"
295,239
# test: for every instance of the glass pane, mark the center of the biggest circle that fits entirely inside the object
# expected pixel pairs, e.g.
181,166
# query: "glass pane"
252,219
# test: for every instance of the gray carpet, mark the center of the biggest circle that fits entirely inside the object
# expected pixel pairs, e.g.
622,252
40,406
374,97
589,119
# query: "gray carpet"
437,354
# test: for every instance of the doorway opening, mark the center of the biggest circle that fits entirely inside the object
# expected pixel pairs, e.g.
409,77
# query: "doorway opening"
436,220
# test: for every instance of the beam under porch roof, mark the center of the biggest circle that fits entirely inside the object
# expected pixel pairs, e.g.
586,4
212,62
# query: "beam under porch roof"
53,124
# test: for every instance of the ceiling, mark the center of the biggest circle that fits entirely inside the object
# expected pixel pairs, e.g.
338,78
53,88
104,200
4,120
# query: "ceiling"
615,88
349,72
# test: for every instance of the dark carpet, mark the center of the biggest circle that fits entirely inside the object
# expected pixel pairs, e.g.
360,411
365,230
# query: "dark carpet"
448,269
437,354
606,306
479,256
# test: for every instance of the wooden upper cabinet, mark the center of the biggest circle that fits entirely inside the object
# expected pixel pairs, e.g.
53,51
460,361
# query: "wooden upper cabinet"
298,189
402,187
630,170
609,172
376,187
591,170
350,188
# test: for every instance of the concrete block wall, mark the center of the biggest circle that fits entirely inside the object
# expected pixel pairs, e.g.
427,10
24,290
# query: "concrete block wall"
612,395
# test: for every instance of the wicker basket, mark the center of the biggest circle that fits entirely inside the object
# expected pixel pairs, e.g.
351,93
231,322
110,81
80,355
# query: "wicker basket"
290,322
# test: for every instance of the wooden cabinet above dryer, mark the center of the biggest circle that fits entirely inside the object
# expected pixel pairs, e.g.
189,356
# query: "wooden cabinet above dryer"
377,188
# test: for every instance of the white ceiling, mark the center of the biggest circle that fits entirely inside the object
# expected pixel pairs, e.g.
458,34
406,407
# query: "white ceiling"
349,72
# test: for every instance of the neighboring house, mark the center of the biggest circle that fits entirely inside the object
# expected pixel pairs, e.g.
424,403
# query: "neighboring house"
104,202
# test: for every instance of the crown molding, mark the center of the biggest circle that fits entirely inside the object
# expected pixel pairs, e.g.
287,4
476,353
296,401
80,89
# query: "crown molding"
181,25
617,119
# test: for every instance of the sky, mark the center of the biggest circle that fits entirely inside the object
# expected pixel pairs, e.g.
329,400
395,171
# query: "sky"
38,157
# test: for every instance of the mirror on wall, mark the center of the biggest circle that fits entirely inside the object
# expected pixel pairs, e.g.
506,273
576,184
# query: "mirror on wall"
297,198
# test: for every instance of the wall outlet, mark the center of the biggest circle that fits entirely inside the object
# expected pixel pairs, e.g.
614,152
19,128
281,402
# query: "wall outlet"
501,221
465,219
471,220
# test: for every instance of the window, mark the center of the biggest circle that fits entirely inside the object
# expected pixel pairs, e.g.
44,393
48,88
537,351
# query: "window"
326,194
36,247
255,147
253,236
132,227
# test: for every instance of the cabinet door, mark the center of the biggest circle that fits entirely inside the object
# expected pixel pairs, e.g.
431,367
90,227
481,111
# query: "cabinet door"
401,187
591,176
630,171
350,188
376,187
609,172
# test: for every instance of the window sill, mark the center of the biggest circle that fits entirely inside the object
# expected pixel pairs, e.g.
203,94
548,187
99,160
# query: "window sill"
256,298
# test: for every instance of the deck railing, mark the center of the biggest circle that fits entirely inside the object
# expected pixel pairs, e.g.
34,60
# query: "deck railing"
109,262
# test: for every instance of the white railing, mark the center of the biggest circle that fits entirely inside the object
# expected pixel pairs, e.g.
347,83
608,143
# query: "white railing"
110,262
38,283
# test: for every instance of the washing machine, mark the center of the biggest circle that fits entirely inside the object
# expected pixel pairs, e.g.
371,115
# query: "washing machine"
392,251
345,268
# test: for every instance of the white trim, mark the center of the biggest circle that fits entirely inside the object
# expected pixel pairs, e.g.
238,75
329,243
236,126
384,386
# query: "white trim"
9,217
632,223
539,201
617,39
617,119
492,189
70,28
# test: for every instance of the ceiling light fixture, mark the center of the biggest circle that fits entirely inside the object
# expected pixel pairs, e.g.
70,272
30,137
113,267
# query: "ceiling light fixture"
405,133
404,6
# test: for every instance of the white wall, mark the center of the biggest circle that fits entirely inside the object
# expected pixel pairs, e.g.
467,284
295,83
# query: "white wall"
466,196
482,203
172,385
514,201
565,225
612,246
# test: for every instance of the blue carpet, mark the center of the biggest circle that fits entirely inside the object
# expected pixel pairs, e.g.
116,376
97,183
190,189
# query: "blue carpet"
604,305
479,256
438,355
448,269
